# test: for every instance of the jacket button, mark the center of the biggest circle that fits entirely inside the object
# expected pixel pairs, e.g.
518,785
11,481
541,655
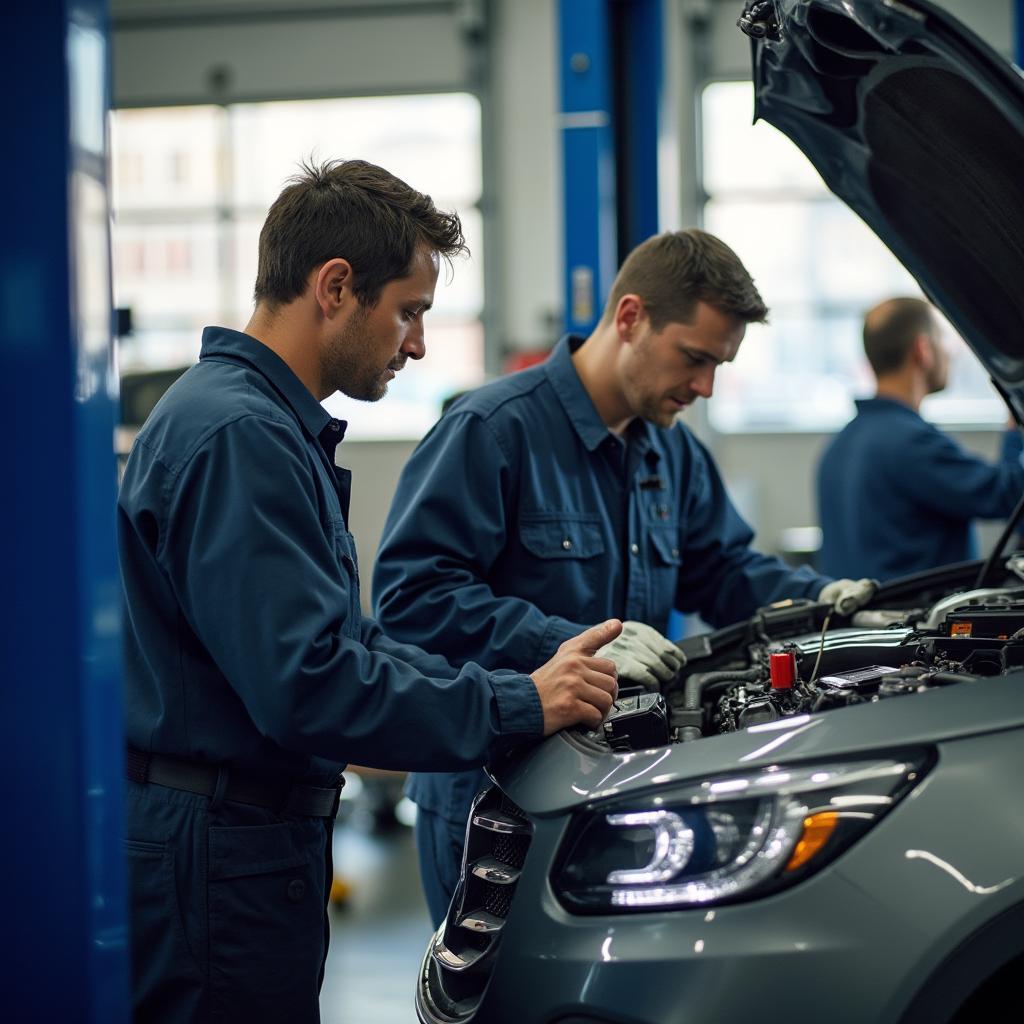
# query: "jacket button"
296,890
567,544
635,548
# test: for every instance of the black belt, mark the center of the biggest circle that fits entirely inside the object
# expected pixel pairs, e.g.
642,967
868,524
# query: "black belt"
211,780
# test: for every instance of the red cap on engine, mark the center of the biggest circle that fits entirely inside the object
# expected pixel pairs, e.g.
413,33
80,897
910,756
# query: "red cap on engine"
783,670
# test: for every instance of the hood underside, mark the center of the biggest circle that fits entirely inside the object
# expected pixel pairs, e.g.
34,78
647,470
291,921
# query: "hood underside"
919,127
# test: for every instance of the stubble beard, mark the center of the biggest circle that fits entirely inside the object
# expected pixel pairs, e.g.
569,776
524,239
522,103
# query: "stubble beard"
660,416
651,408
348,364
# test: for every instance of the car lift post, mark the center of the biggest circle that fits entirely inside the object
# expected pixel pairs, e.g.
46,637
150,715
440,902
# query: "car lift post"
1018,33
610,72
62,739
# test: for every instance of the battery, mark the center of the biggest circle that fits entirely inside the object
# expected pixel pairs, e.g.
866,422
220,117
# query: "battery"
637,723
999,623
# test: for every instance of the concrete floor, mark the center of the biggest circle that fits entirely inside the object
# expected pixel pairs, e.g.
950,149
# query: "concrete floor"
379,935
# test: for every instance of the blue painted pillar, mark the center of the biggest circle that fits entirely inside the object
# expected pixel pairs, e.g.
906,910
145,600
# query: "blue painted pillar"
588,159
60,727
1018,33
610,72
639,82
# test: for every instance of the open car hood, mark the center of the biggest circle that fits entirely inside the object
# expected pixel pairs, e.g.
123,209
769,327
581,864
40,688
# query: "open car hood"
918,126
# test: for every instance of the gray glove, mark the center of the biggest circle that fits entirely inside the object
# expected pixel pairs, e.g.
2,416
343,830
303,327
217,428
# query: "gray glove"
642,655
846,596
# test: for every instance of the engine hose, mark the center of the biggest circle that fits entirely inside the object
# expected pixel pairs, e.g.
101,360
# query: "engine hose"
693,694
948,678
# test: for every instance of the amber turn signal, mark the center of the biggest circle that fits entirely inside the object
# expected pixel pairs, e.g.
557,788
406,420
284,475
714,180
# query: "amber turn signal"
818,828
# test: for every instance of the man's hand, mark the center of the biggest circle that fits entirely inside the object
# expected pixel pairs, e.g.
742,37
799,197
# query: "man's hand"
642,655
575,687
846,596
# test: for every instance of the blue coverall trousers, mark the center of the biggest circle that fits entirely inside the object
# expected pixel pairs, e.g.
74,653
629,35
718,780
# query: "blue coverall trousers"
228,909
439,843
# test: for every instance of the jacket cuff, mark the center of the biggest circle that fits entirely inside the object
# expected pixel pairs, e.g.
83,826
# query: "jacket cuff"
519,709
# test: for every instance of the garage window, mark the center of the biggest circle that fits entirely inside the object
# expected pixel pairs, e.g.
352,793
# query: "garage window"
192,186
819,268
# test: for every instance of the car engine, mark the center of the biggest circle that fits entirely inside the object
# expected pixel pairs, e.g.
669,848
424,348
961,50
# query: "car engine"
800,657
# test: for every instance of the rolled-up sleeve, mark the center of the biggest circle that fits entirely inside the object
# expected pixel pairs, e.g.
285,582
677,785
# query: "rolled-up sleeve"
259,582
447,526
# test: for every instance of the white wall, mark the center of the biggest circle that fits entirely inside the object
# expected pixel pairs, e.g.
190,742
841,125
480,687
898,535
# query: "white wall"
772,478
171,51
529,171
204,52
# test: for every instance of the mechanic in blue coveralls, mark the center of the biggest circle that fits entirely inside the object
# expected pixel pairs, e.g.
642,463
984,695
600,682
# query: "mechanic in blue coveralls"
567,493
895,494
251,675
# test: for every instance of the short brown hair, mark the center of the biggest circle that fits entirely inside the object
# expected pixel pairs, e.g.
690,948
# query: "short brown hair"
890,329
354,210
674,271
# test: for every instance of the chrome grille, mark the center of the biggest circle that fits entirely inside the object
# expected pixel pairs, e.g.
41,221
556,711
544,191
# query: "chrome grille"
461,956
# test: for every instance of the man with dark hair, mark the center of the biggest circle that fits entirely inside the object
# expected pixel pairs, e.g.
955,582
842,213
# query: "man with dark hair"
895,494
251,675
567,493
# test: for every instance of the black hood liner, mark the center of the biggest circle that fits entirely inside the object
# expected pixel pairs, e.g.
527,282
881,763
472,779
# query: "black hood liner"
941,175
919,127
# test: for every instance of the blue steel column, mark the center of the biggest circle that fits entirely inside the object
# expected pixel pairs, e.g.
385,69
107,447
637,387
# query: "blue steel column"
610,68
588,159
641,82
1018,33
60,729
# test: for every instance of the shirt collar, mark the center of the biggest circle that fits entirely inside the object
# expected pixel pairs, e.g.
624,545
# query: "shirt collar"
880,402
318,422
580,408
578,405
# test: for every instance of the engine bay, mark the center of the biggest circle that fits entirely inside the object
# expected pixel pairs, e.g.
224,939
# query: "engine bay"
801,657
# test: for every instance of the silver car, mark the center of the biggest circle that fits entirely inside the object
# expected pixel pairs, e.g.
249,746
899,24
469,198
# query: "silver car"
821,818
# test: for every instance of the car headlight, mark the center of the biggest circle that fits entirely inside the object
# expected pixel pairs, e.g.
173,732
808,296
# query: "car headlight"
725,839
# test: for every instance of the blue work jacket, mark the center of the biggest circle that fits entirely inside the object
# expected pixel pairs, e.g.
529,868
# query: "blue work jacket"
897,496
244,639
520,520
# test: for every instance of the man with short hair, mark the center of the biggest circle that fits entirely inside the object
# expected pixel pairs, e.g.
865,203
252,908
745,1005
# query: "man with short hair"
895,494
251,675
568,492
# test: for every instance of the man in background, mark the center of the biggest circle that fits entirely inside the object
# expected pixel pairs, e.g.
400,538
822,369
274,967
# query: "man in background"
568,492
895,494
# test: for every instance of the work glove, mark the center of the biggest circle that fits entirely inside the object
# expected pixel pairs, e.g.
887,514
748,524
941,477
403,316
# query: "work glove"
642,655
846,596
